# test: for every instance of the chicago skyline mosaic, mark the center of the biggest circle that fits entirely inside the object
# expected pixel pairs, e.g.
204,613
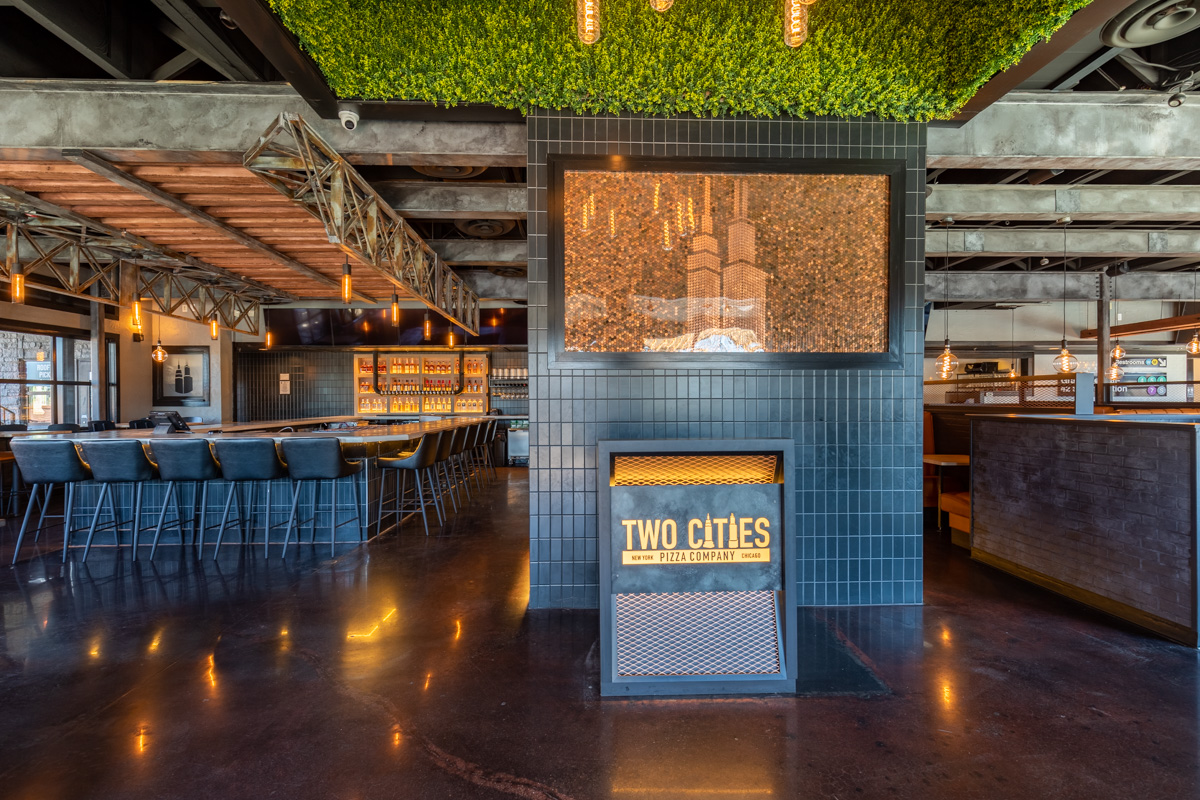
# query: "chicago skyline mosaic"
725,262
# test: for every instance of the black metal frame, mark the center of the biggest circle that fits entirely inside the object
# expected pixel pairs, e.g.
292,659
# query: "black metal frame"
698,684
560,358
157,378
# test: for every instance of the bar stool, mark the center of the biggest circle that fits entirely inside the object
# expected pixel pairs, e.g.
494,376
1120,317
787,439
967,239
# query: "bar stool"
243,461
460,457
98,425
46,464
467,457
64,427
489,443
442,468
319,459
184,460
421,463
114,462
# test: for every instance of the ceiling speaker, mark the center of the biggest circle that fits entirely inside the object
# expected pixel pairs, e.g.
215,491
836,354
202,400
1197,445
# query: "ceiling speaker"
1148,22
449,173
485,228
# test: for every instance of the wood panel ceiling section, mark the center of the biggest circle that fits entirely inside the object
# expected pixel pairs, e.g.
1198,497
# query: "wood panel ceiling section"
228,193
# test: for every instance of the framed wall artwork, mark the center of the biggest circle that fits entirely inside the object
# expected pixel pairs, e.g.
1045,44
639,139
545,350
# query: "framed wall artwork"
182,379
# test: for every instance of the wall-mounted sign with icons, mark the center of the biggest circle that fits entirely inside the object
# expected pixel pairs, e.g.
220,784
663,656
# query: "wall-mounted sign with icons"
694,577
1148,378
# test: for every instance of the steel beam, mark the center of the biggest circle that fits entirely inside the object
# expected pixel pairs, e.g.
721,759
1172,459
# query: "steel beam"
457,200
131,122
1038,287
209,44
482,252
986,202
1073,130
292,158
84,27
1115,243
151,192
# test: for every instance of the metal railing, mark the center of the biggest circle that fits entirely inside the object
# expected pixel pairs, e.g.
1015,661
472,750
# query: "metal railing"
1073,393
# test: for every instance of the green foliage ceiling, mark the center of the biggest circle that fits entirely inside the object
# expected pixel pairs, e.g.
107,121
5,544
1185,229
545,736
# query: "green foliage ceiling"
898,59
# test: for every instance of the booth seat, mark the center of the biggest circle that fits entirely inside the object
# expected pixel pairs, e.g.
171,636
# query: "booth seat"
957,506
929,484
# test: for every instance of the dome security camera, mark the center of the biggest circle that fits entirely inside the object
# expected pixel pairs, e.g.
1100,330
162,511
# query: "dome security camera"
349,119
1176,100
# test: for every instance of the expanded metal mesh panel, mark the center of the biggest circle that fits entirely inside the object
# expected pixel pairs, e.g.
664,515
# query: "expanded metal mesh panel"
1035,391
692,470
697,633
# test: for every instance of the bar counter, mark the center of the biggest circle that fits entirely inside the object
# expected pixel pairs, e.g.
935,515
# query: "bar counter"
366,443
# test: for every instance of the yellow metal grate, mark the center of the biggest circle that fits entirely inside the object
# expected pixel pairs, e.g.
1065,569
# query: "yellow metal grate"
692,470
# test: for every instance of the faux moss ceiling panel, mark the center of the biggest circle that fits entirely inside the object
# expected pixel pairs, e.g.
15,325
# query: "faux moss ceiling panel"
898,59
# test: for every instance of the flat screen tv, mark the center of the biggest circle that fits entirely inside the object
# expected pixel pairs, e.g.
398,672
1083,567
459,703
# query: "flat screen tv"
372,327
750,261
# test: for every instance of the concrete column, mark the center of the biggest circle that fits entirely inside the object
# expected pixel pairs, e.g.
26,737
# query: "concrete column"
1103,345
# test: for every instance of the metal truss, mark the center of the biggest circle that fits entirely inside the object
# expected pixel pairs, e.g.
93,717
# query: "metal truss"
67,253
293,159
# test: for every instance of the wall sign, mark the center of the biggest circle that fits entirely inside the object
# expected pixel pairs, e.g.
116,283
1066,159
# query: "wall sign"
694,579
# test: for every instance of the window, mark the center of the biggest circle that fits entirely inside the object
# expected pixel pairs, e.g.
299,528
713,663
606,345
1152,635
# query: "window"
46,378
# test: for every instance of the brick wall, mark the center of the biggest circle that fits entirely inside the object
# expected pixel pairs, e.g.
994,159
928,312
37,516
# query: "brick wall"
1104,506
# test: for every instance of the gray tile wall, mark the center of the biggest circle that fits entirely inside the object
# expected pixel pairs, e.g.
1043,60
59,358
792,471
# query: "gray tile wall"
322,384
857,432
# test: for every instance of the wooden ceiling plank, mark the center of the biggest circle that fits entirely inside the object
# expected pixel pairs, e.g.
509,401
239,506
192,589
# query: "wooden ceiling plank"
151,192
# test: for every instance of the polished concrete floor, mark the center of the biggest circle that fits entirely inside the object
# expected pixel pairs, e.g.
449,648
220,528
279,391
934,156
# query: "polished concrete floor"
410,668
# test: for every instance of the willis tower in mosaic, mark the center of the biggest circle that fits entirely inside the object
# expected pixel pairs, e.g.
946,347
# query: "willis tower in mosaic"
725,298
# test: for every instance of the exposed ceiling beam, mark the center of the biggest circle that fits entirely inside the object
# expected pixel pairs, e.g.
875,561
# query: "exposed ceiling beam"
1073,130
85,26
21,204
1027,287
139,122
151,192
481,252
1116,243
173,67
1185,323
457,200
1081,24
292,158
980,202
209,44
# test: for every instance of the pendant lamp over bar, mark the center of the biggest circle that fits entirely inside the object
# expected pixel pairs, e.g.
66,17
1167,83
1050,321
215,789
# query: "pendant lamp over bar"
661,5
347,286
1193,347
268,340
214,328
16,277
947,362
587,21
395,310
158,353
135,318
427,328
1064,362
1118,352
1012,343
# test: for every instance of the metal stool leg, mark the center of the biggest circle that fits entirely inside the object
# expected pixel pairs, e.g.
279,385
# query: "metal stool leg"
25,523
95,518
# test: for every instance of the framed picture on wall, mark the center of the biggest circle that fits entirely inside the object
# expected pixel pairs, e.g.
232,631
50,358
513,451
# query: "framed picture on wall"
182,379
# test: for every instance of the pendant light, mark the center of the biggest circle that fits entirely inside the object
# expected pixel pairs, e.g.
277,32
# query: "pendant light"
587,21
347,287
268,340
1114,373
795,21
1117,352
661,5
1065,363
947,362
427,328
395,310
16,278
158,353
214,328
1012,343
